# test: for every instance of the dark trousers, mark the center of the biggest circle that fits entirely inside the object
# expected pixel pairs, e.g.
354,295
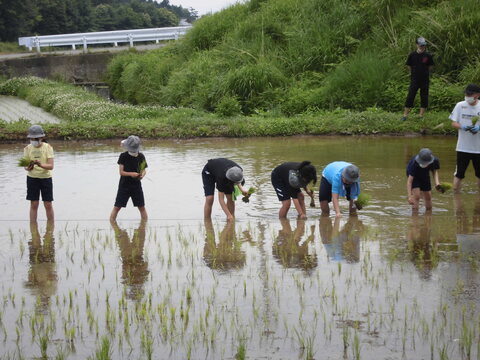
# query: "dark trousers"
412,92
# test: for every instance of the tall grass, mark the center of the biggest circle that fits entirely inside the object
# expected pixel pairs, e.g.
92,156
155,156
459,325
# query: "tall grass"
261,52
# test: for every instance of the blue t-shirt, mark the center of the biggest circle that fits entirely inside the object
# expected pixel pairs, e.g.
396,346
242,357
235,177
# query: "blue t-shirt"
333,174
419,173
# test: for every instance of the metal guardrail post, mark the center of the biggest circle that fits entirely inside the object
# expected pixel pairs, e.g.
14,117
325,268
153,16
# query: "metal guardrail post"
130,39
84,44
37,43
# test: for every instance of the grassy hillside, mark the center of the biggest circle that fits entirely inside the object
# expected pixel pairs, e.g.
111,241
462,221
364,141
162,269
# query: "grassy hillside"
296,56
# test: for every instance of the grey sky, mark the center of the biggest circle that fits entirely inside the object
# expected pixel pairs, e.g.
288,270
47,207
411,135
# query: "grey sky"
205,6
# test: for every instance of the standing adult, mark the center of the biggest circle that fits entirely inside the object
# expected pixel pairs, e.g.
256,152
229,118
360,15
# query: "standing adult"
339,178
463,117
223,173
287,180
420,63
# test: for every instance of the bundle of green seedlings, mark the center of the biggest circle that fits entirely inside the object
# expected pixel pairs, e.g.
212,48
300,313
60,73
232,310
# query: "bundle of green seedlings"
444,186
310,189
142,167
246,198
24,162
362,201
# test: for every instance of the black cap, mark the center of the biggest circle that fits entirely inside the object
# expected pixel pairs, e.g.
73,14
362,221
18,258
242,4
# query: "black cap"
472,89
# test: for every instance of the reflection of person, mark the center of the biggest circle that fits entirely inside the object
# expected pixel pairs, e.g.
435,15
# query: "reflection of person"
134,267
223,173
341,244
420,63
422,251
39,176
42,276
287,180
468,143
418,178
227,254
290,250
339,178
132,165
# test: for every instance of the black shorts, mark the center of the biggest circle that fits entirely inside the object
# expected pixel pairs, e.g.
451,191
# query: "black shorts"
284,191
325,191
130,190
463,159
424,185
208,182
36,186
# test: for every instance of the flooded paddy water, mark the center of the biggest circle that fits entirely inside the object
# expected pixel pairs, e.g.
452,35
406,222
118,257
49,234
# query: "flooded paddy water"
383,285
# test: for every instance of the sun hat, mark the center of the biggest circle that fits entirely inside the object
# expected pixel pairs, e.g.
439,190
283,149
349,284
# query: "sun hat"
234,174
424,157
35,131
421,41
472,89
351,173
132,143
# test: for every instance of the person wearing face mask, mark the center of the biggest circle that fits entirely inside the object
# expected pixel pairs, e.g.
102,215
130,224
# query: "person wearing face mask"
339,178
39,172
420,63
464,118
132,167
418,179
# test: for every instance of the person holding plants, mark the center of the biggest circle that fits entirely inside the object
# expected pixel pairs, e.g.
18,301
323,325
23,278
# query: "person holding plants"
464,118
420,63
224,174
339,178
39,165
418,178
288,179
132,167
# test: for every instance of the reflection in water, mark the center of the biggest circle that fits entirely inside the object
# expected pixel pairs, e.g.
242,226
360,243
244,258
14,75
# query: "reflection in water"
468,230
423,251
134,267
227,254
341,244
42,275
290,250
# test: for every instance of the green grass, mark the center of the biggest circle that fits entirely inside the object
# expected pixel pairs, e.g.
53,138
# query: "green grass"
295,56
87,116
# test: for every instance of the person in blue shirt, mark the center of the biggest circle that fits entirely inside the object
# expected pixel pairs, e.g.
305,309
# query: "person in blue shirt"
418,178
339,178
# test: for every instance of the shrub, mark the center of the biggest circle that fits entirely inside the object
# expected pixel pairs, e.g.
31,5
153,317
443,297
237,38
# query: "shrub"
228,106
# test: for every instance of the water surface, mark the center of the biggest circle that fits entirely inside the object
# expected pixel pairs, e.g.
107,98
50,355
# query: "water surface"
383,285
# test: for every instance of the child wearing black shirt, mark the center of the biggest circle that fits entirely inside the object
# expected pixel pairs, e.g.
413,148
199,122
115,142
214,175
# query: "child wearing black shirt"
132,165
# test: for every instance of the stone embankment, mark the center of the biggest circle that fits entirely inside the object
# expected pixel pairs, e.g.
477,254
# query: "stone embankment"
14,109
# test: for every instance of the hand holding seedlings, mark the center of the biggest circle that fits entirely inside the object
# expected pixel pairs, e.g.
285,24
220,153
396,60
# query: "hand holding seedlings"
246,197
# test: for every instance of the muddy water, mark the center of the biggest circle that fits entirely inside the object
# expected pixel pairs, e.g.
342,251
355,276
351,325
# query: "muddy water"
385,285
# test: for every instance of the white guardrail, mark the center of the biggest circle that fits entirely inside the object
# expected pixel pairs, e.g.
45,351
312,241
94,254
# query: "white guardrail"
103,37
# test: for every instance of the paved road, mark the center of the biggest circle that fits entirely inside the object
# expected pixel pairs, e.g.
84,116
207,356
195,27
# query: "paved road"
13,109
80,51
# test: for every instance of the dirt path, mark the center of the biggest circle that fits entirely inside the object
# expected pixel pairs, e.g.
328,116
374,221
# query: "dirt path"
13,109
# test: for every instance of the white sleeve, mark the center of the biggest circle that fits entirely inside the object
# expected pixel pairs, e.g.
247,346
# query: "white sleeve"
456,113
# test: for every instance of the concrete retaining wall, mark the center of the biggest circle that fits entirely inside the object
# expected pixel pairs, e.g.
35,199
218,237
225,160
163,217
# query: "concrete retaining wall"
70,68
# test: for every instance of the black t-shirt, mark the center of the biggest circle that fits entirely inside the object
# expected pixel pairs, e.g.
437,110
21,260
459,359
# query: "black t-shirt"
130,164
282,172
419,64
218,168
419,173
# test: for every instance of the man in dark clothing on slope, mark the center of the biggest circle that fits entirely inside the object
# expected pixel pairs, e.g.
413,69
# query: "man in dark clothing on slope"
420,63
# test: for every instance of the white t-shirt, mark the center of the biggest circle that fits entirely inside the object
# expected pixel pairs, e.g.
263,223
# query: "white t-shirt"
463,113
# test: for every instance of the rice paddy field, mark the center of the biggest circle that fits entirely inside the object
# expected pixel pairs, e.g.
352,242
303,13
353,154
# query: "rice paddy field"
385,284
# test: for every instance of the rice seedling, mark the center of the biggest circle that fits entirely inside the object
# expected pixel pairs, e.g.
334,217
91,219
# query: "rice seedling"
444,187
24,162
362,200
